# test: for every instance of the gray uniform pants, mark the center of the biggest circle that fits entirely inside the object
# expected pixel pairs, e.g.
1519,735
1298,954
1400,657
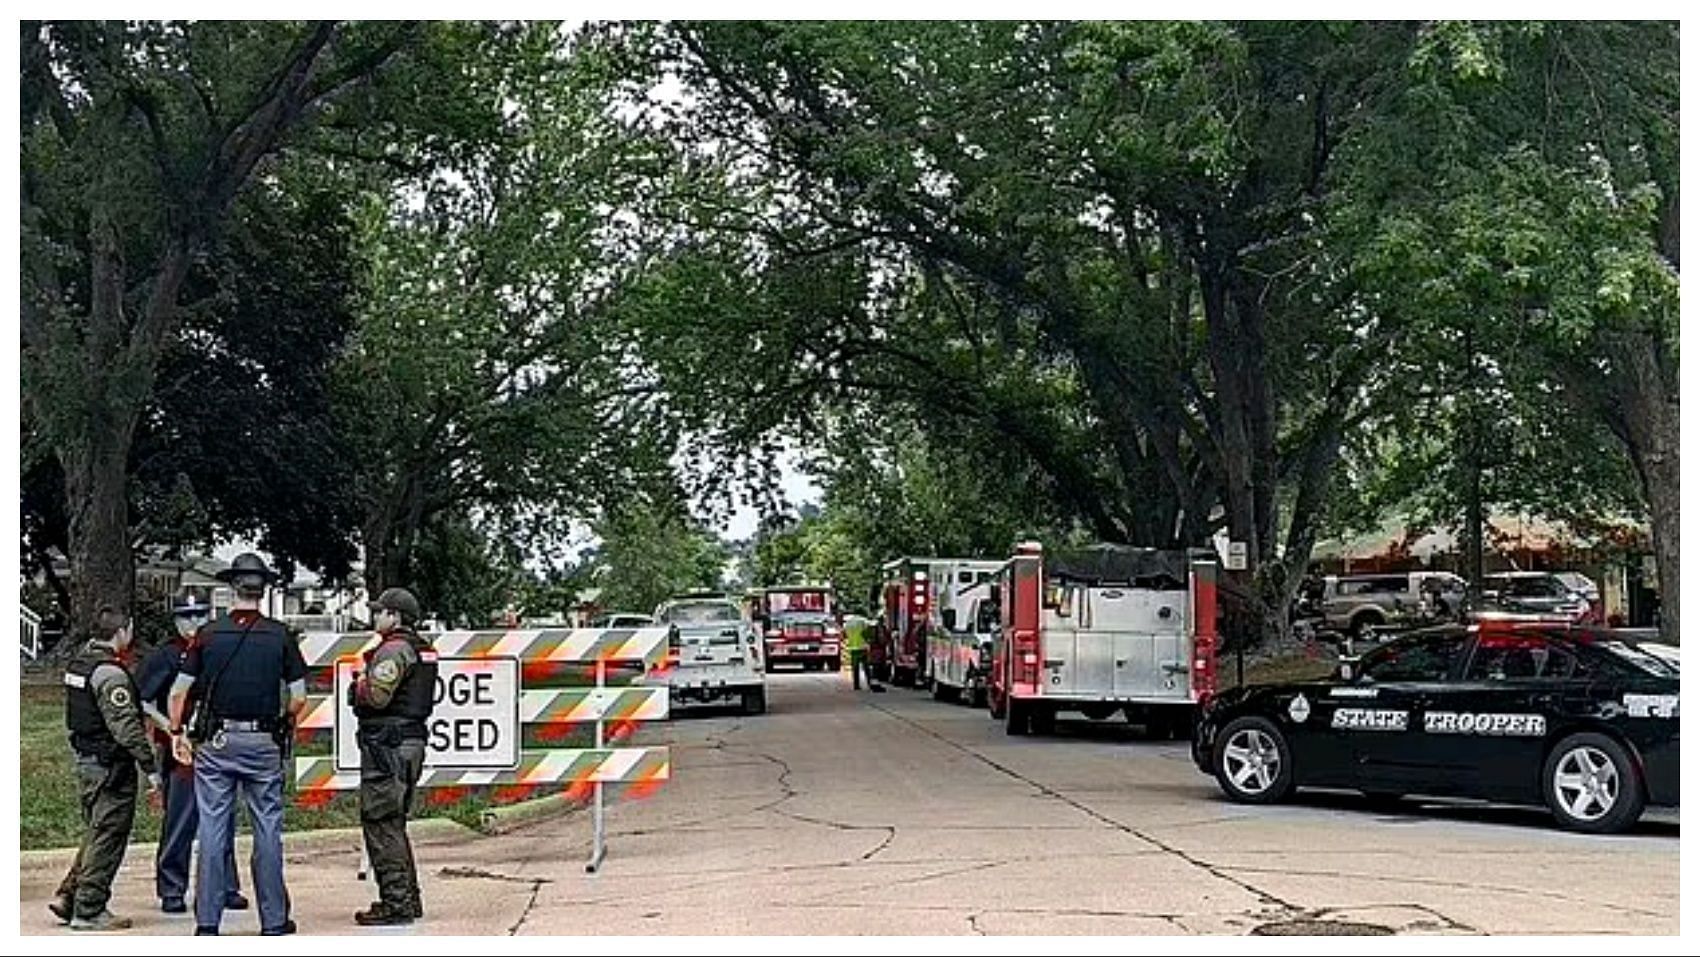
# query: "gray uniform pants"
177,832
249,763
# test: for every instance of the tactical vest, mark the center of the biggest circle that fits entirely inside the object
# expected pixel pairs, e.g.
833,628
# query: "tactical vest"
413,698
83,717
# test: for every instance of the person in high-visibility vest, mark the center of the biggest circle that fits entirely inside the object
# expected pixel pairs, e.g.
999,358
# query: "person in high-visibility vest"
856,629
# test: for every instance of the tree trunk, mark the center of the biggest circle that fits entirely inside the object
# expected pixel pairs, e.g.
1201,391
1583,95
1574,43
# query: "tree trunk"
103,570
1647,420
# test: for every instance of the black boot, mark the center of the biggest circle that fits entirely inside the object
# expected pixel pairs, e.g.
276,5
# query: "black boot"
382,914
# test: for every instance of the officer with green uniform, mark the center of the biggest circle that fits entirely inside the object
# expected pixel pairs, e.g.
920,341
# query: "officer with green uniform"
392,698
104,716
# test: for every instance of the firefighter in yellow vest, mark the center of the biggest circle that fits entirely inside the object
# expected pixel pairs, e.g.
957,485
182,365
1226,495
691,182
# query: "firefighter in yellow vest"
856,629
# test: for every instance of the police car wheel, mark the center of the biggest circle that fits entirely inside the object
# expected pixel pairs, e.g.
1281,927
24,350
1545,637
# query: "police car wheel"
755,702
1252,762
997,704
1591,785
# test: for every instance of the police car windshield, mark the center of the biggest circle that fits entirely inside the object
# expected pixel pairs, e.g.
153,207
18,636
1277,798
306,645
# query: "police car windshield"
700,613
1665,661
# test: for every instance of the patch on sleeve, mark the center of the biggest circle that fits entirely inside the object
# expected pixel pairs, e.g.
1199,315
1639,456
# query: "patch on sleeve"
385,671
120,696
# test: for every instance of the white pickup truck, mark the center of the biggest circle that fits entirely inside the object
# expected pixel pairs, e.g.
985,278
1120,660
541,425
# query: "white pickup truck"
714,656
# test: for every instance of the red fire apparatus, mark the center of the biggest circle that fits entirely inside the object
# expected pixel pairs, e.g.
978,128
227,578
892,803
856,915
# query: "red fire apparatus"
799,625
915,593
1103,629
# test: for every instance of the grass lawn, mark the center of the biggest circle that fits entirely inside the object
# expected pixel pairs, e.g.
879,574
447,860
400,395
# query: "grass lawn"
48,814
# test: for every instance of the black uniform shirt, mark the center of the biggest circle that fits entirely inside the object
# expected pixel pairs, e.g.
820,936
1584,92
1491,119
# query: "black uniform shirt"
245,676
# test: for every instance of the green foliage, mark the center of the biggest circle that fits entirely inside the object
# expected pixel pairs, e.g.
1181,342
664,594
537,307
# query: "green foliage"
652,549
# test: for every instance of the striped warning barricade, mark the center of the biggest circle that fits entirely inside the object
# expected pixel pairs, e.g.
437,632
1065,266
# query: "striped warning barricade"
558,766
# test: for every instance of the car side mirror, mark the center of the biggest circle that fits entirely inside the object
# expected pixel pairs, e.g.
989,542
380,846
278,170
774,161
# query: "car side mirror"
949,617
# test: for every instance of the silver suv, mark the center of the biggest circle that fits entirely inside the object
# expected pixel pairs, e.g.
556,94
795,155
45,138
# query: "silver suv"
1358,603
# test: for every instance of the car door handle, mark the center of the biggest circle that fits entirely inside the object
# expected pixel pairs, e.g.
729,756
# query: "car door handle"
1121,662
1053,662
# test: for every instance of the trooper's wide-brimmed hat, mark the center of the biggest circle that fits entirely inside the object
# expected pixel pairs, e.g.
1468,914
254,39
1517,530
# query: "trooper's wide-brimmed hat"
247,564
397,600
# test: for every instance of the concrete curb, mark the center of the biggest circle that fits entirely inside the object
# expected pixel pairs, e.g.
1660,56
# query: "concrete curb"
430,830
509,817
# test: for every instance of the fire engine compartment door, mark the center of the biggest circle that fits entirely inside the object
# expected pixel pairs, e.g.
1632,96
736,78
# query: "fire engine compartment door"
1149,629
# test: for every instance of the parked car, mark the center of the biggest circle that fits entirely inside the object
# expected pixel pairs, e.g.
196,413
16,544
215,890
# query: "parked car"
622,619
1357,604
1540,593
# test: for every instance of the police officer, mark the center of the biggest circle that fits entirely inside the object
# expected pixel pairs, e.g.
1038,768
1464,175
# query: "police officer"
237,674
392,698
177,778
105,721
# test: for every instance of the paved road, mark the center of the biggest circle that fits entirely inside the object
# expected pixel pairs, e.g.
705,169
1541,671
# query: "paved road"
852,814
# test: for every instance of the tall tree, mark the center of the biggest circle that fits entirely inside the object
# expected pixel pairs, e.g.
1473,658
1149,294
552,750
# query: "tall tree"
484,372
137,139
1133,211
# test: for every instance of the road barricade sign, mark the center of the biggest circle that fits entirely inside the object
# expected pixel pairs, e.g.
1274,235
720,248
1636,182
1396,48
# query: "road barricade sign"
475,735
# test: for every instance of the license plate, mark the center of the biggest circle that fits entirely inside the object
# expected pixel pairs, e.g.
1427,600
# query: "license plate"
801,648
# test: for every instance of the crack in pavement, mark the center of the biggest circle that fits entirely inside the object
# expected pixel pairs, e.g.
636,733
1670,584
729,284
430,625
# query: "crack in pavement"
1455,885
974,925
479,873
1265,896
530,904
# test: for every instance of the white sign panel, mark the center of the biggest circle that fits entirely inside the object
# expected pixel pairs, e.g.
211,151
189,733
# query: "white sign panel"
474,724
1235,560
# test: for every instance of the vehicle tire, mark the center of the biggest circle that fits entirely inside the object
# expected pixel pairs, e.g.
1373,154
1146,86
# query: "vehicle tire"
901,677
1178,724
1592,785
1043,719
1018,717
1098,712
1363,621
755,701
767,668
1252,762
944,692
979,698
997,704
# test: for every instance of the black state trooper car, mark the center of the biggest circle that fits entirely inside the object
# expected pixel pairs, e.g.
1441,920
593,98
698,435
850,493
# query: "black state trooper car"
1582,720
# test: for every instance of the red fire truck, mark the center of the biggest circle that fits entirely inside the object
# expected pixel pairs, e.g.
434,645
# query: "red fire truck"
1104,629
915,592
799,625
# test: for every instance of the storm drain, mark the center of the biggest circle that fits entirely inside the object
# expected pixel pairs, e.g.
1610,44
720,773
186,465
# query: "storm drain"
1320,928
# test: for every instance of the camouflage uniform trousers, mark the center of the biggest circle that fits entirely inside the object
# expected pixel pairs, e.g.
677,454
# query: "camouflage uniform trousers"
107,794
389,772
